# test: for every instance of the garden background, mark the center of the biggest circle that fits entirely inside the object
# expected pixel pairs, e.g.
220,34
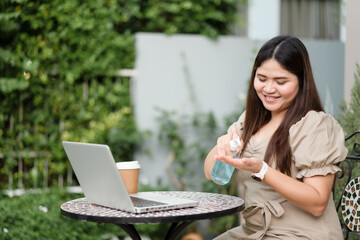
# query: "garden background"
59,80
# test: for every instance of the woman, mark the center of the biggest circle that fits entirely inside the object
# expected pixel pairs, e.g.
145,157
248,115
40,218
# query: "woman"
289,144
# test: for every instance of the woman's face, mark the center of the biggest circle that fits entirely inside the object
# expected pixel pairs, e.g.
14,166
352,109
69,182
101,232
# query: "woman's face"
275,86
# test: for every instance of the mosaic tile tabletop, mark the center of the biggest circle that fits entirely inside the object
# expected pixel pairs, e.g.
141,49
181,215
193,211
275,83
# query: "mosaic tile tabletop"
350,205
211,205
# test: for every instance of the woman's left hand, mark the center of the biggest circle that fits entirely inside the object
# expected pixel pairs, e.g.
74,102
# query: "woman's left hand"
253,165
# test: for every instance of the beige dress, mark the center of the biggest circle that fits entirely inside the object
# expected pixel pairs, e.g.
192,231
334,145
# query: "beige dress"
317,142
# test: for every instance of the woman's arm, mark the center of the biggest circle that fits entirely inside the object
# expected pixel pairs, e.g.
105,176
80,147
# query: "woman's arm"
311,195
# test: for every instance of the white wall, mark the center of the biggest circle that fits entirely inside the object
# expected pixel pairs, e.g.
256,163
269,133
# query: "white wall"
352,46
263,19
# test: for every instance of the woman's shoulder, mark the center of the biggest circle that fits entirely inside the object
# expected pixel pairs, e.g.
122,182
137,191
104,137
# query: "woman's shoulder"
317,142
315,119
317,128
314,116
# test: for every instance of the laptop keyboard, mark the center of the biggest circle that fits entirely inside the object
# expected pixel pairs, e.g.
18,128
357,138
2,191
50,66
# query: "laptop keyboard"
140,202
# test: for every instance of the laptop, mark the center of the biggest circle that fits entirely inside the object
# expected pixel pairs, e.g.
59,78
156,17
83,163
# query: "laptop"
96,171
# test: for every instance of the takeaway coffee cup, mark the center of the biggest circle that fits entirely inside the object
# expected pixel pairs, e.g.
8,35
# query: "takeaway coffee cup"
129,172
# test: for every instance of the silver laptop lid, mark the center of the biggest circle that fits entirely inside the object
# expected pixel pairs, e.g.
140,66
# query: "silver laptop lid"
95,169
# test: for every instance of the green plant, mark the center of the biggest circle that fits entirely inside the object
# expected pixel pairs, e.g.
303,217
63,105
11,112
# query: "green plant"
207,17
37,216
59,62
58,82
350,117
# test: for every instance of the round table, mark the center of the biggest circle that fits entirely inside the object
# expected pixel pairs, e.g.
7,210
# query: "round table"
211,205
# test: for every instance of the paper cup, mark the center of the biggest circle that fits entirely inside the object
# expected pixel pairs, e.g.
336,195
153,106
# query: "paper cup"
129,172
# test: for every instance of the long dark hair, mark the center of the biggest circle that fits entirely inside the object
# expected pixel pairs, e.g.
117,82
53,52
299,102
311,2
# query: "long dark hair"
291,53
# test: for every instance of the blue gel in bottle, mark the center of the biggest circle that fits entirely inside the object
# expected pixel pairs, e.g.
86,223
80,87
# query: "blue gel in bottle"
222,172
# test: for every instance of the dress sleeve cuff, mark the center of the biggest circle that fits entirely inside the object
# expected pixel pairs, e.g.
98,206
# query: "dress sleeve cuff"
323,171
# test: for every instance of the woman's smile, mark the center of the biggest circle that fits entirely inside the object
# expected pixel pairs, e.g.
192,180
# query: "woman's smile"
270,99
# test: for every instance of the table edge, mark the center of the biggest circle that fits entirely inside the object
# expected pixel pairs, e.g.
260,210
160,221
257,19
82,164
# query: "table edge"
158,219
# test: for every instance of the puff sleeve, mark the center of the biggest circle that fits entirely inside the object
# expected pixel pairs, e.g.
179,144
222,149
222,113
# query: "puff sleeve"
317,142
238,125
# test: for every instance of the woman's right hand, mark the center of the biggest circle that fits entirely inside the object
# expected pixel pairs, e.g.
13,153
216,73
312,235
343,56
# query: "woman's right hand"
223,143
221,149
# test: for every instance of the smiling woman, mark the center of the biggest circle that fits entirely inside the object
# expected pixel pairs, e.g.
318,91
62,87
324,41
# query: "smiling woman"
290,146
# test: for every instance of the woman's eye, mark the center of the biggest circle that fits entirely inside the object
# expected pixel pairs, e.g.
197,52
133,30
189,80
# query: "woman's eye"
281,83
262,80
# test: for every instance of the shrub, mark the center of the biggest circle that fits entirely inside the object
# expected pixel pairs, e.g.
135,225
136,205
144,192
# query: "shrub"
350,117
58,66
37,216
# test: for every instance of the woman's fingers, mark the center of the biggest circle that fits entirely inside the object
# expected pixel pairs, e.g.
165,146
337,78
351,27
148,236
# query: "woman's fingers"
223,144
248,164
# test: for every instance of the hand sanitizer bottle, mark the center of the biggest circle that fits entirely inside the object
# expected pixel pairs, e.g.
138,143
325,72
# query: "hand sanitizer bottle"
222,172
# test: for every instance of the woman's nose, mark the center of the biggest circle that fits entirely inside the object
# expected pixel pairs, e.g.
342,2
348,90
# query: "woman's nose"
269,86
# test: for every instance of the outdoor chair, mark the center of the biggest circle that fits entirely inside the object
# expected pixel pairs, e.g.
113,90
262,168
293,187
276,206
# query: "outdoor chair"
348,205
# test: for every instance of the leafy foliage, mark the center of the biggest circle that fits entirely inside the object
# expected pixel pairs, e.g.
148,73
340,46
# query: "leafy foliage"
350,117
37,216
59,61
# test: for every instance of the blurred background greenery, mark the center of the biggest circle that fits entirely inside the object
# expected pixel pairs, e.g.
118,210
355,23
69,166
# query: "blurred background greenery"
59,80
59,66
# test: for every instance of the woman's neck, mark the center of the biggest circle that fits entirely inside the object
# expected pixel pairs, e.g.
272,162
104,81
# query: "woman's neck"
277,117
268,129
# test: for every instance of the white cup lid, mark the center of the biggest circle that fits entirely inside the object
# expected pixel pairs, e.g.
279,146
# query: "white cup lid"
128,165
